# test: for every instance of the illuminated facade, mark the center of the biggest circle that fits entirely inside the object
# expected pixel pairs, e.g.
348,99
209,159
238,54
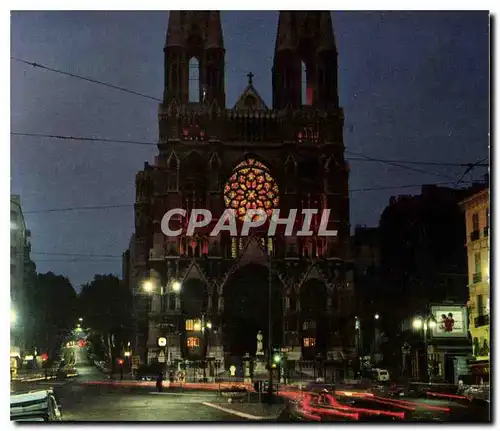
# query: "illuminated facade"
245,157
22,272
477,220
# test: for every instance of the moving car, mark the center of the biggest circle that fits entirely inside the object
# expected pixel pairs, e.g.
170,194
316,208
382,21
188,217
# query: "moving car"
36,406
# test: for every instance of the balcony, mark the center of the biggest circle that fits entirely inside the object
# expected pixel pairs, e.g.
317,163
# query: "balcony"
474,235
486,231
477,277
483,320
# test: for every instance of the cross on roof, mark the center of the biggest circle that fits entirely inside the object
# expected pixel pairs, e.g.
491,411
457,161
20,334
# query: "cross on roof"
250,76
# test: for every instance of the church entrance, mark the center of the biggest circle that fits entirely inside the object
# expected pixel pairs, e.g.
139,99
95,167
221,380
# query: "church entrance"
246,311
314,321
194,301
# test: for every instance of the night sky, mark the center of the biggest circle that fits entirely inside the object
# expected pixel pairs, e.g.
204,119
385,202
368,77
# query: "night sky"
413,85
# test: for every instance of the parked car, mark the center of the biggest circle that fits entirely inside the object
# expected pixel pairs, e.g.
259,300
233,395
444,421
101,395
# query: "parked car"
36,406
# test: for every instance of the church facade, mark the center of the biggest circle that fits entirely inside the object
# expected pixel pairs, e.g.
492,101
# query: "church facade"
206,296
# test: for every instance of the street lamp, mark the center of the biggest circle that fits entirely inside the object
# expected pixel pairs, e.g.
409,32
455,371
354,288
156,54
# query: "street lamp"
148,286
176,286
13,316
376,316
417,323
425,323
80,319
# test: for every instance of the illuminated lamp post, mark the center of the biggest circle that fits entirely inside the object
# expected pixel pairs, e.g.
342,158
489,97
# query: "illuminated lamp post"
150,286
424,324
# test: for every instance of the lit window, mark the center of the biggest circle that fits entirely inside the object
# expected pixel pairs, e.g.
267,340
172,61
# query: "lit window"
193,325
197,325
309,342
193,342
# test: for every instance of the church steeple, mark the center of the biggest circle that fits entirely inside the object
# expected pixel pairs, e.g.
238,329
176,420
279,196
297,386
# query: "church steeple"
305,61
194,58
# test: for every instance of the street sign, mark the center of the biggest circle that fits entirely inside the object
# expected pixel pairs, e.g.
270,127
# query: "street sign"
162,341
161,357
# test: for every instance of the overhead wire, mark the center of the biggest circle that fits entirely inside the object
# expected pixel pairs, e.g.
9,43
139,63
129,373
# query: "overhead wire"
104,207
145,143
84,78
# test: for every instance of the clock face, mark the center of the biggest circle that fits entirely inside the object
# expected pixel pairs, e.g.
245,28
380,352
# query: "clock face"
251,186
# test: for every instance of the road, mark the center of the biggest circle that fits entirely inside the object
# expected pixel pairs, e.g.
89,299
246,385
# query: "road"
82,401
92,397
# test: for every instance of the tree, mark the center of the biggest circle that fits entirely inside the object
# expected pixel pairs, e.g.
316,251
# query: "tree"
53,310
105,306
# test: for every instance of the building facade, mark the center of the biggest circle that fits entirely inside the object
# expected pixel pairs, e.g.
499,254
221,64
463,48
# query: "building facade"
22,271
424,264
209,296
365,249
477,222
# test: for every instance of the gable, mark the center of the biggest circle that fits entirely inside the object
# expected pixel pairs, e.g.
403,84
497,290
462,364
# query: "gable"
250,100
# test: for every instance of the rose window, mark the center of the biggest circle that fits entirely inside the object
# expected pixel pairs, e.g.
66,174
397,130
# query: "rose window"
251,186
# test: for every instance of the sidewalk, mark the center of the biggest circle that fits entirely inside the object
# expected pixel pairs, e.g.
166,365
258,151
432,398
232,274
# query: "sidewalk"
30,375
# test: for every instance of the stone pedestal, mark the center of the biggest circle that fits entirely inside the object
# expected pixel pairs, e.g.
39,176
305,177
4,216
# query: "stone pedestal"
260,366
246,369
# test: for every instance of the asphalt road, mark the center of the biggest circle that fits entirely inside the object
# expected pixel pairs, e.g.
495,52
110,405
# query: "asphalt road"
82,401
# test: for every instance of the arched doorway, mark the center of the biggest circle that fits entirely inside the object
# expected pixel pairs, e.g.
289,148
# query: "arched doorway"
313,318
246,310
194,302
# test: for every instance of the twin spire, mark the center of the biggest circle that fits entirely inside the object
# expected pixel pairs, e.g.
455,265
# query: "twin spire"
188,27
304,40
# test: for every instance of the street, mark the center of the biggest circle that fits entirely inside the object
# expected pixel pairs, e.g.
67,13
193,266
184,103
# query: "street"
82,400
91,396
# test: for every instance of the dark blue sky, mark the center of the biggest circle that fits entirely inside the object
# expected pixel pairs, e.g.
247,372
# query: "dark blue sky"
414,86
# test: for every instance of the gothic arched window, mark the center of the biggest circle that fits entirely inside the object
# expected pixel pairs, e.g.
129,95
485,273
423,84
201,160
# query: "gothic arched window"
290,180
214,175
251,186
173,173
306,89
194,80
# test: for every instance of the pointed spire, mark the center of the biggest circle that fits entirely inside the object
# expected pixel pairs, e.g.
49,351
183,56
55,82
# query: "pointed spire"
285,36
175,35
326,39
214,31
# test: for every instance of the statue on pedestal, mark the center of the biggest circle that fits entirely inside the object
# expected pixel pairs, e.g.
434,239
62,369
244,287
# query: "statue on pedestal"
260,349
246,369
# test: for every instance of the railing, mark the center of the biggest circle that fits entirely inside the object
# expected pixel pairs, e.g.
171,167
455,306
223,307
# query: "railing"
476,278
474,235
482,320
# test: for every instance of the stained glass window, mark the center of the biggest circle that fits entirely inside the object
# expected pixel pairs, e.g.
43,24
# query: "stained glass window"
251,186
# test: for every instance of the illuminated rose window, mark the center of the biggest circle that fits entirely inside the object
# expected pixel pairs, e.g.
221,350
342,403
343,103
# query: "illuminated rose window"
251,186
